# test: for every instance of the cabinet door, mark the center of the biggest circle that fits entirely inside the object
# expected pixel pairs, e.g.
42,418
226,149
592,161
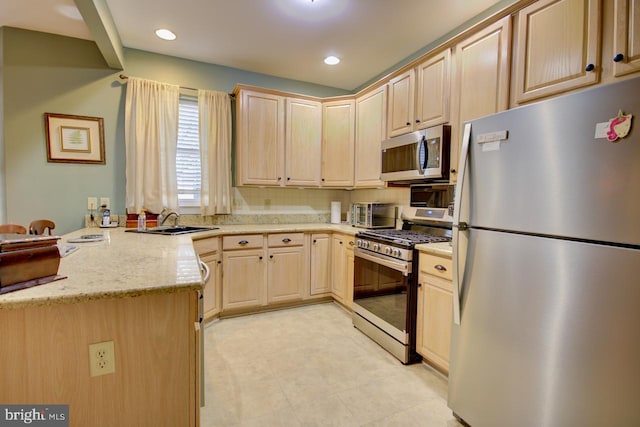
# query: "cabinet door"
338,267
286,274
557,47
626,37
260,138
432,100
433,332
320,264
401,103
244,279
212,290
481,84
349,260
371,117
338,143
303,142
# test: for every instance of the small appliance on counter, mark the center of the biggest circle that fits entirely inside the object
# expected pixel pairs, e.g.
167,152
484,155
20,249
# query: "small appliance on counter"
373,215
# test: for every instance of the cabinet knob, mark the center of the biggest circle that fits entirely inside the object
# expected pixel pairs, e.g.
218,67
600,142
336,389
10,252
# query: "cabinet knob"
314,241
453,170
590,67
260,257
279,178
243,242
288,178
417,120
408,123
271,256
419,285
286,240
619,57
440,267
351,243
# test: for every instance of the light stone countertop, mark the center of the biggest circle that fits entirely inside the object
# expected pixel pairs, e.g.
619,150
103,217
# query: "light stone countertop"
128,264
440,248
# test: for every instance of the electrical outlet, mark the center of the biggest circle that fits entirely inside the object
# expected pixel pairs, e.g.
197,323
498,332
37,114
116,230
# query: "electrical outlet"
104,203
92,203
102,358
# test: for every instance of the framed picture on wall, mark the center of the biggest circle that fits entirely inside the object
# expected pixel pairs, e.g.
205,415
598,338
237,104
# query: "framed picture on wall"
74,139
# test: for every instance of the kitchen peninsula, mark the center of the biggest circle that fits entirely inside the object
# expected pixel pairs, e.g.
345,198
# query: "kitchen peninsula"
137,290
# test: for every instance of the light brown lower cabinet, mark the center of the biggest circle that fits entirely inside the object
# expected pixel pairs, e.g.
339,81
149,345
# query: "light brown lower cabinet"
320,264
435,310
209,253
342,269
259,270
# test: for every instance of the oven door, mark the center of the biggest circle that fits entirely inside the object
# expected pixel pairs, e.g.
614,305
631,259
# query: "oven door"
381,292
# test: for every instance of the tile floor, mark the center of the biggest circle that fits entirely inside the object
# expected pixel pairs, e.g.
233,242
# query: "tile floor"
309,366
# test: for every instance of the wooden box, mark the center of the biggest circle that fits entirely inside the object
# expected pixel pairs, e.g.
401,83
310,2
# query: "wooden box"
27,261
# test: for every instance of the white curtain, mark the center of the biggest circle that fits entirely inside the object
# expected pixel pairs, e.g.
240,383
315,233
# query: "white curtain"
151,135
215,152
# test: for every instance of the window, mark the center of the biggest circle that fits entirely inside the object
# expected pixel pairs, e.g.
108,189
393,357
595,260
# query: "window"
188,153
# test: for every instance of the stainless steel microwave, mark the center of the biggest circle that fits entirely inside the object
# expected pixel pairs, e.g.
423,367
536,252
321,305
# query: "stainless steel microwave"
420,155
373,215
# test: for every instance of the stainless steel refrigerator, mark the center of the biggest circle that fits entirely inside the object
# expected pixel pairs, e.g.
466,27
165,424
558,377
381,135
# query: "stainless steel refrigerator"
547,264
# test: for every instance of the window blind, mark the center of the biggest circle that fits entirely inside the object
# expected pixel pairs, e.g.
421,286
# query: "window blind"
188,153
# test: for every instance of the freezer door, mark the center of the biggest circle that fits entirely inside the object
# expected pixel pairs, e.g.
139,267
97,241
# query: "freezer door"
549,334
552,176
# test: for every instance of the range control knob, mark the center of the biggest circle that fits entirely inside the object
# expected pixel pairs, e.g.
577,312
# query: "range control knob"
376,247
396,252
388,250
365,244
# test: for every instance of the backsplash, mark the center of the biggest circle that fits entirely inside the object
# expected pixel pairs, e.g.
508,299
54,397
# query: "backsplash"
287,205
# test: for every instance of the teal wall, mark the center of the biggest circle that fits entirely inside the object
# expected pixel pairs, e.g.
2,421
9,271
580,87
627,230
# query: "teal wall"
47,73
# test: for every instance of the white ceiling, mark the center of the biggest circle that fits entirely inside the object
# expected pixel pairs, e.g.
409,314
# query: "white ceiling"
285,38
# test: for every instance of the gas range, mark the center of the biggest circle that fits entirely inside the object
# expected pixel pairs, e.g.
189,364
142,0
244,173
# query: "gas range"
399,243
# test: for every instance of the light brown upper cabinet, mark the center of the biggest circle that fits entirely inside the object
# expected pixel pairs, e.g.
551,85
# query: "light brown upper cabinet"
371,114
303,143
558,47
279,140
481,79
419,98
260,144
626,37
338,143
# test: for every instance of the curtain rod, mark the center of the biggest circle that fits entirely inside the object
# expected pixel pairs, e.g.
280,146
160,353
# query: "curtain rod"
125,77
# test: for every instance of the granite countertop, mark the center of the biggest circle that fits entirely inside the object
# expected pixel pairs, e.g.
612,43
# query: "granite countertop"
275,228
122,265
132,264
440,248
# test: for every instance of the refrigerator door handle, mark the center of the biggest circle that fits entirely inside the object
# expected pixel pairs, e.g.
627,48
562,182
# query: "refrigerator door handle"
459,226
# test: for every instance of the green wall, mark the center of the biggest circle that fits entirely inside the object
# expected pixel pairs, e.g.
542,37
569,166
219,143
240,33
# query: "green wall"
47,73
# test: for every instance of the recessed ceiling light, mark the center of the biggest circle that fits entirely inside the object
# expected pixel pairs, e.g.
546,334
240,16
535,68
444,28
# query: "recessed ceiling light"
331,60
165,34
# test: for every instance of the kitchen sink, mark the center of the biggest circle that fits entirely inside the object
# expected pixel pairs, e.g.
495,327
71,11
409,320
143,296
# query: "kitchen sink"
172,230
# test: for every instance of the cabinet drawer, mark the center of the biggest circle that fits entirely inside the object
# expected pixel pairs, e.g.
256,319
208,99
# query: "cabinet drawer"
285,239
241,241
436,266
205,246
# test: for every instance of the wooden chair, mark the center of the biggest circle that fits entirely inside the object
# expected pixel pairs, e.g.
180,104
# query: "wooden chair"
12,229
39,226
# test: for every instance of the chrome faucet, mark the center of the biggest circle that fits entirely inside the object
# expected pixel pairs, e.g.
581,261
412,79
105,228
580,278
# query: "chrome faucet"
162,217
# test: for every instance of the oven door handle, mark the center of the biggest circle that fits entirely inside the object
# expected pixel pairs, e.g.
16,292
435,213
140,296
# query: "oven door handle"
400,266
